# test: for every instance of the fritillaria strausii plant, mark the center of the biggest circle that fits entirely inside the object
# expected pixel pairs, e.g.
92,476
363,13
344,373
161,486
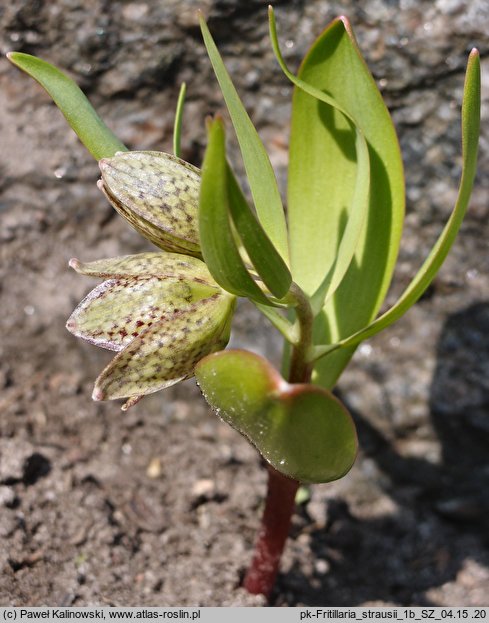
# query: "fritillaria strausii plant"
319,275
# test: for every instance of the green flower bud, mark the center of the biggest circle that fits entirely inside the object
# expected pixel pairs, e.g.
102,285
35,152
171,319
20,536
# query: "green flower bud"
158,194
162,312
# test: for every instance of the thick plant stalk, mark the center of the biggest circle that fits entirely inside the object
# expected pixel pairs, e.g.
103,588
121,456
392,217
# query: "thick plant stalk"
280,500
274,530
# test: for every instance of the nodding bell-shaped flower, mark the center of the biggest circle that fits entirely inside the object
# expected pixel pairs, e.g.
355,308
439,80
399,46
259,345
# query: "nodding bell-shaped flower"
162,313
158,194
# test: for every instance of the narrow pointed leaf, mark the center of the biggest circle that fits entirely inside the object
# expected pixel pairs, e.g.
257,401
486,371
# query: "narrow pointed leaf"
218,245
168,351
177,128
158,194
470,139
261,177
303,431
100,141
323,174
265,259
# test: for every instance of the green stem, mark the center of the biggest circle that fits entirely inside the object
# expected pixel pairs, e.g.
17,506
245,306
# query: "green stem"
300,368
280,500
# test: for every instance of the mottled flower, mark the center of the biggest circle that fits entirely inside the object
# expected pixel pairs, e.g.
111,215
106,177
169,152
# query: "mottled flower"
162,312
158,194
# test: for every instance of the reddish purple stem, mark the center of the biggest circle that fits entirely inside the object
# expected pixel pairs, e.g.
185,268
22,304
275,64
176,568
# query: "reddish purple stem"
274,530
280,502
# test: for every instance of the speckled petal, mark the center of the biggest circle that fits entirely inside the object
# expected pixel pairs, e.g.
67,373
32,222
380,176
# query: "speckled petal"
158,194
168,351
168,265
119,310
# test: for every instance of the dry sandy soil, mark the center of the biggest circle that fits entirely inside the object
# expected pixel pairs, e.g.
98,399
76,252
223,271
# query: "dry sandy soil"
159,506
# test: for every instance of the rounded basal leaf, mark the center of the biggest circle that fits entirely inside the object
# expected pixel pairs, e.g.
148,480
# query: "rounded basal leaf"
158,194
303,431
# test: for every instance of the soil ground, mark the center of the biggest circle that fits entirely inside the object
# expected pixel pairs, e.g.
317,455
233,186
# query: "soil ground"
160,506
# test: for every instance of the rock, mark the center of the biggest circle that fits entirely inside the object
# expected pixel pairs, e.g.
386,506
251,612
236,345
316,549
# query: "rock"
203,489
7,496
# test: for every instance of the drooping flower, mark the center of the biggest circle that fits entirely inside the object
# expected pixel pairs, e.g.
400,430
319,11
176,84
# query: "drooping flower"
162,312
158,194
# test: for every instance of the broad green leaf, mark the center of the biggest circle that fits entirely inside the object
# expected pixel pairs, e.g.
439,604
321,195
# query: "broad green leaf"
261,177
167,352
350,237
177,128
427,272
158,194
323,179
216,236
266,260
68,97
303,431
360,197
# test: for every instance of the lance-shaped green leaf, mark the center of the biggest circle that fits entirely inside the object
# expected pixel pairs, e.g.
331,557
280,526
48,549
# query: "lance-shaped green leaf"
265,259
143,291
303,431
427,272
68,97
323,170
360,197
261,177
168,351
219,247
158,194
177,127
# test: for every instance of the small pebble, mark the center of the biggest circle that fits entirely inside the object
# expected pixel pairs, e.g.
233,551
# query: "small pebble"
322,566
203,488
154,468
7,496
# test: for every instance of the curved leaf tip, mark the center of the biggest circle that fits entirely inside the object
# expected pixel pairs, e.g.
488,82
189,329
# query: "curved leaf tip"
73,103
261,177
427,272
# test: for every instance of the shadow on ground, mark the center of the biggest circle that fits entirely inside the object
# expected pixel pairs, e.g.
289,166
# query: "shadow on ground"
443,508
